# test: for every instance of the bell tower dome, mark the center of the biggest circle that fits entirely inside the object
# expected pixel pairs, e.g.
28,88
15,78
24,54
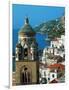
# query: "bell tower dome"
26,38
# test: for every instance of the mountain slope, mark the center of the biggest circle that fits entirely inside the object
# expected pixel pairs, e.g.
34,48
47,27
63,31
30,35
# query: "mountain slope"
54,28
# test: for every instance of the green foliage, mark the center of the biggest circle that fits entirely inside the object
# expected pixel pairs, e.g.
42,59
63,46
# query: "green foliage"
54,28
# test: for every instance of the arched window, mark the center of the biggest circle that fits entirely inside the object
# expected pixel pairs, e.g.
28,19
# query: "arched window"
25,75
25,51
44,73
53,75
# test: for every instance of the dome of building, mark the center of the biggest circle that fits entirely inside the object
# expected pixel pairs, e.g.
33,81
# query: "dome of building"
27,29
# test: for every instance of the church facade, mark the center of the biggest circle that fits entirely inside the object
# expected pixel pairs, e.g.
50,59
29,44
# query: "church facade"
26,57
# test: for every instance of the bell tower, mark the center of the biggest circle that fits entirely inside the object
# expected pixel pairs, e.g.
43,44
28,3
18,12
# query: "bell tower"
27,61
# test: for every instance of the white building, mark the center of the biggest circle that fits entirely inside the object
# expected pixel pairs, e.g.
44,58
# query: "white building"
50,56
58,42
55,49
47,74
52,72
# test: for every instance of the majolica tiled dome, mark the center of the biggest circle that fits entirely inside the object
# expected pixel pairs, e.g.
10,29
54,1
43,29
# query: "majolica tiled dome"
27,29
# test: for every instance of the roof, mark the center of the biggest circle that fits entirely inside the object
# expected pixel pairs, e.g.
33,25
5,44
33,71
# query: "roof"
55,39
27,29
54,81
56,57
61,66
44,65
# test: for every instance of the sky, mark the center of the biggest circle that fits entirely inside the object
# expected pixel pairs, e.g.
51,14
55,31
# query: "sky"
36,14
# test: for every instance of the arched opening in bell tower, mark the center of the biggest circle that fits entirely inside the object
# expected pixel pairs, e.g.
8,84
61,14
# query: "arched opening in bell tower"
25,75
25,51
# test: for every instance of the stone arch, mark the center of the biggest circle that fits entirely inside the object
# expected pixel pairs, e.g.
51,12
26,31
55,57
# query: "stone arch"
25,75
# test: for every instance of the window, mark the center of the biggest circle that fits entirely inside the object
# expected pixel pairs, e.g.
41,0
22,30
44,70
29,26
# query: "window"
53,75
25,53
25,76
52,45
44,73
48,78
47,49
